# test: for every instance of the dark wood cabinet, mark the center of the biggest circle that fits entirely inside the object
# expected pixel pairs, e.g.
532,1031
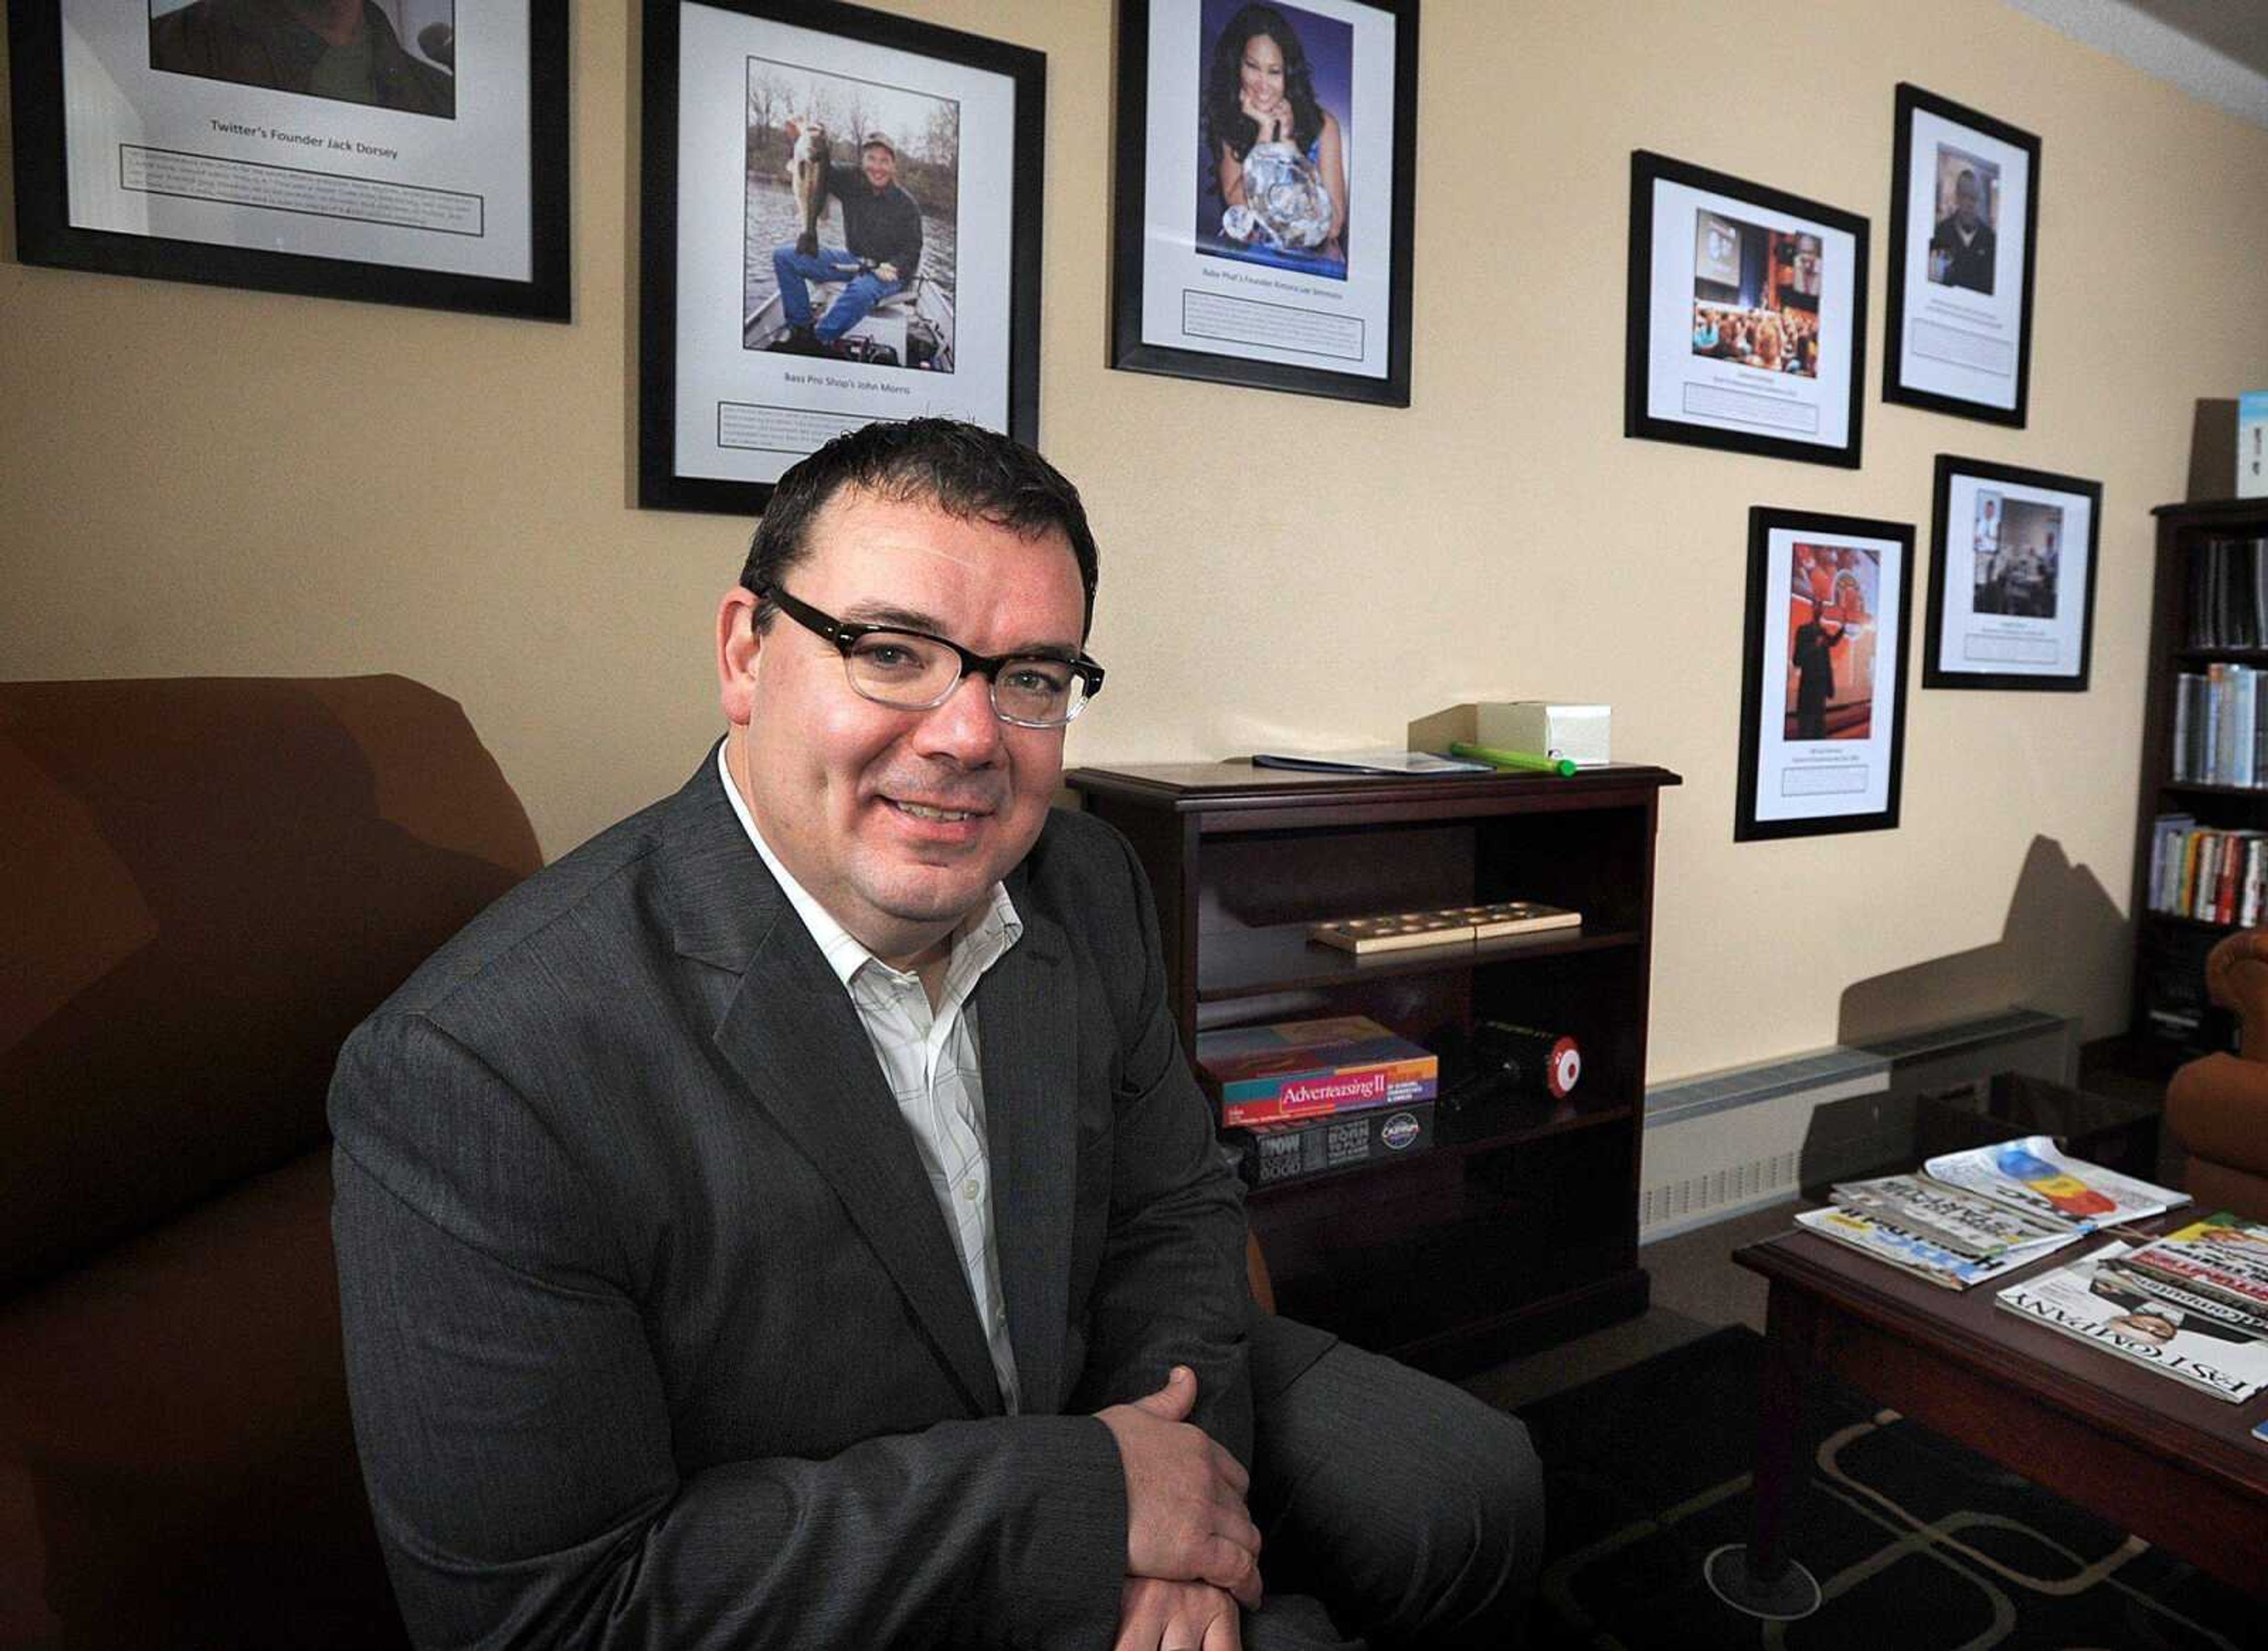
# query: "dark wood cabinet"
2170,1018
1520,1226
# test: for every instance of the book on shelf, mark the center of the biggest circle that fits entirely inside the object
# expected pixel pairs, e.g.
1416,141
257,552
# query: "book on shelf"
2208,873
2227,601
2096,1301
2221,736
1309,1069
1267,1154
1381,761
2036,1175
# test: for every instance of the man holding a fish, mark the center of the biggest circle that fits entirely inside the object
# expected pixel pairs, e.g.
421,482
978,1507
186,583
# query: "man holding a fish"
882,235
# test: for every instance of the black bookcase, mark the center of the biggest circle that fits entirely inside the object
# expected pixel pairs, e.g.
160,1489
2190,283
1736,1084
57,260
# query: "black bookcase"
2202,615
1519,1227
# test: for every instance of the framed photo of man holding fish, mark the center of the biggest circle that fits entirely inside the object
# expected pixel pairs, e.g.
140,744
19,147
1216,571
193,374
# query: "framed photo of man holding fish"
841,224
1266,175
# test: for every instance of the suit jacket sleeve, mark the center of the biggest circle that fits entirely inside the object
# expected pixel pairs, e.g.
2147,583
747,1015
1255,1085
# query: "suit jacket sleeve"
1171,1289
514,1427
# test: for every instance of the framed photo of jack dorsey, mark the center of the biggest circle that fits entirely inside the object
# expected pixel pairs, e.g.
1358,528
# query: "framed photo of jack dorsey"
398,151
841,224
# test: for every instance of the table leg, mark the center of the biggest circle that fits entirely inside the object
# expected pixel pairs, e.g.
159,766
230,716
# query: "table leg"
1761,1579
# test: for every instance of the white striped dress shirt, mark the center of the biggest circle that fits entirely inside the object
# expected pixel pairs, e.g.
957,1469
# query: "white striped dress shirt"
930,1059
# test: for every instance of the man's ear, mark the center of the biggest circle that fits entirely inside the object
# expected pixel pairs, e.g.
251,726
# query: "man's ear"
738,643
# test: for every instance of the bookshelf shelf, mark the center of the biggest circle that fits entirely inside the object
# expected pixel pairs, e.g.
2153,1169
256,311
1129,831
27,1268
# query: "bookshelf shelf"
2212,569
1520,1226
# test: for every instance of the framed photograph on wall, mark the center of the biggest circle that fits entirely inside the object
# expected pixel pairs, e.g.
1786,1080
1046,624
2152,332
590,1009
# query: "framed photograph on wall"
415,152
1748,316
1964,223
2011,578
1822,684
841,224
1267,158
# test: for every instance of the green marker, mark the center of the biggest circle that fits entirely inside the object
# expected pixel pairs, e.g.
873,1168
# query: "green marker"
1511,758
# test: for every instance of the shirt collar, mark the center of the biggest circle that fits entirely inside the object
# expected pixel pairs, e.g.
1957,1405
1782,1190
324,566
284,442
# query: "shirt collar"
983,936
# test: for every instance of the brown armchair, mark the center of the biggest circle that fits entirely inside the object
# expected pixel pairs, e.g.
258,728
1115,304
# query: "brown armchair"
2218,1104
206,883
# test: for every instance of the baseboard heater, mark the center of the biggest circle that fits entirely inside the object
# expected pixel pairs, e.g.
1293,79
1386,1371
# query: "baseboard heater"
1725,1142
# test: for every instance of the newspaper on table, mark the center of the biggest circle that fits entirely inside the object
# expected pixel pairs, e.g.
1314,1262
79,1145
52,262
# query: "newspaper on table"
2097,1300
2036,1174
1884,1240
1953,1217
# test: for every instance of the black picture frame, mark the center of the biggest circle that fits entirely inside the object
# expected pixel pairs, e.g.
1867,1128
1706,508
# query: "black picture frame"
1294,321
271,160
1951,359
2014,628
1846,770
1727,403
994,296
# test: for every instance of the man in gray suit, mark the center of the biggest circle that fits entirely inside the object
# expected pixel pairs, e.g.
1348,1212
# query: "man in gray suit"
788,1219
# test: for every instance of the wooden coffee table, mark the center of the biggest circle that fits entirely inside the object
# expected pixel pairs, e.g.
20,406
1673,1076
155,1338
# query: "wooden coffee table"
2173,1465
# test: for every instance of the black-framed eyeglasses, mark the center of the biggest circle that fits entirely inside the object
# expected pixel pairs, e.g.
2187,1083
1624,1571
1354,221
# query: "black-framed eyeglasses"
913,671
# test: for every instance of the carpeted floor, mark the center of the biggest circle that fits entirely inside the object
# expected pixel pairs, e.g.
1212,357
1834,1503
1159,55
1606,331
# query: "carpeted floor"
1916,1545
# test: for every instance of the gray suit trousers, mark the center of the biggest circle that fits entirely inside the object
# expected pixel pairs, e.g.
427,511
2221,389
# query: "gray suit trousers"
1395,1509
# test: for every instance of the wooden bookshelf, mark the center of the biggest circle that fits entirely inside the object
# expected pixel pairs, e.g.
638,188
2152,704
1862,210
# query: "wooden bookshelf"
1519,1227
2169,950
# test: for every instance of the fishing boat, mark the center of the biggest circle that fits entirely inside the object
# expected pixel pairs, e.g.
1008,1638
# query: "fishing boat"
912,327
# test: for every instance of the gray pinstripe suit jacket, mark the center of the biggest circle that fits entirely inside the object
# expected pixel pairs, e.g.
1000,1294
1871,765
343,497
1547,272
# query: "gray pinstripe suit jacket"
654,1331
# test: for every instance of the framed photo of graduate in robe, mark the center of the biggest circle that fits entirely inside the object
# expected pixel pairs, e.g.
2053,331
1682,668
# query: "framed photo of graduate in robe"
841,224
397,151
1748,316
1822,685
1964,227
2012,579
1266,182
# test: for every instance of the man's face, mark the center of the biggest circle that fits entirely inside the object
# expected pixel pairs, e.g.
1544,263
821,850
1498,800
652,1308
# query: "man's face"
1964,200
899,822
879,164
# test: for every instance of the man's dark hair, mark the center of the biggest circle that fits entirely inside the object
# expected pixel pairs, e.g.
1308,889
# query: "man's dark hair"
964,470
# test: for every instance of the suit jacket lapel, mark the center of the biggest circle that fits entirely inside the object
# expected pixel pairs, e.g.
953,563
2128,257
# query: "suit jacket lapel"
1028,1027
792,1034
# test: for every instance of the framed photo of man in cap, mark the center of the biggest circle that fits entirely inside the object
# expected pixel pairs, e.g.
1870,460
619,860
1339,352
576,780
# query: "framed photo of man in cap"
841,224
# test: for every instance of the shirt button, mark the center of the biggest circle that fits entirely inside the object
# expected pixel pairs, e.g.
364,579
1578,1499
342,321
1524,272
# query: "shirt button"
972,1189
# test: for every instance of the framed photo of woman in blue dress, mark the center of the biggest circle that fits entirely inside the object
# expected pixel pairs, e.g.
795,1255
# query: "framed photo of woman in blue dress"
1263,213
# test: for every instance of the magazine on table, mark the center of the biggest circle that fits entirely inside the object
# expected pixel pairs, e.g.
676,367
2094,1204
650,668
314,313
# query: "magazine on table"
2216,1267
2096,1301
2036,1174
1874,1236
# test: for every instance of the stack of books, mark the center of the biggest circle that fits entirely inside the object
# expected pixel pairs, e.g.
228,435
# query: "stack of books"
2214,875
1300,1097
1974,1215
2192,1305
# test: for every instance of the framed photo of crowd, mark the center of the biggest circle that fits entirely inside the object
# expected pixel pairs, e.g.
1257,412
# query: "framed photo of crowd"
403,151
1822,684
1964,223
841,224
1748,316
1266,157
2012,579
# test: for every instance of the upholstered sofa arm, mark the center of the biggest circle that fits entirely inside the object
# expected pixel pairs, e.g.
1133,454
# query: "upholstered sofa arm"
2218,1104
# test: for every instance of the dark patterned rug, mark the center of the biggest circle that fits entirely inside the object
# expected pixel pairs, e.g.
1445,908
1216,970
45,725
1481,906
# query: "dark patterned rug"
1916,1544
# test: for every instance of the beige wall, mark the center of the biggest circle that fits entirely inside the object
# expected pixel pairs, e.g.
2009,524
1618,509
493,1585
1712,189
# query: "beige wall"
203,481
